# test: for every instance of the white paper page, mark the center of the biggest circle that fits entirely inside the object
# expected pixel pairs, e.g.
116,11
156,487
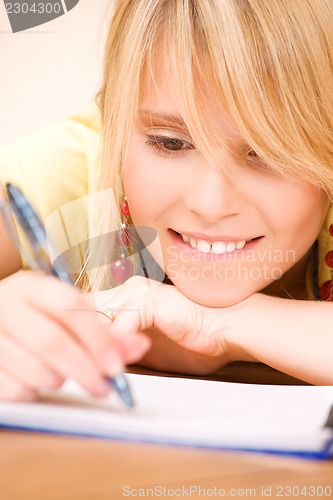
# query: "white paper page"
186,411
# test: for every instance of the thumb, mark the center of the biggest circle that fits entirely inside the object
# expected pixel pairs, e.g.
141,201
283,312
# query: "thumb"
131,319
134,317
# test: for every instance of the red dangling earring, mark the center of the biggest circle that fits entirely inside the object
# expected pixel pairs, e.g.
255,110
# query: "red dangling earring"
326,289
122,269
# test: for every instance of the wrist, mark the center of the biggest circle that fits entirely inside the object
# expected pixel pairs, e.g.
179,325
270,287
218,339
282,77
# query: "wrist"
237,326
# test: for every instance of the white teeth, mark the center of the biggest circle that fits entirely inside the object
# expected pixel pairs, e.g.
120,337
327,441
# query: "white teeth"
230,247
193,243
217,248
203,246
240,244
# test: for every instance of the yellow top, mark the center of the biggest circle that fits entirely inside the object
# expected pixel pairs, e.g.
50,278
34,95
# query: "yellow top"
56,167
53,168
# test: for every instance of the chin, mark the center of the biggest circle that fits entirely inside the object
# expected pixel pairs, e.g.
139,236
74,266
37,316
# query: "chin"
213,296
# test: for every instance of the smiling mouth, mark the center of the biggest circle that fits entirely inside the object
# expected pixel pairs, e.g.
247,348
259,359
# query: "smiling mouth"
215,247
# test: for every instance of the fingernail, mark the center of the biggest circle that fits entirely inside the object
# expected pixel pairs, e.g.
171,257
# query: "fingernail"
102,389
112,363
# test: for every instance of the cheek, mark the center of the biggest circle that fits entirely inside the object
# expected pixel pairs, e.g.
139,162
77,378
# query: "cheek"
303,213
298,221
293,211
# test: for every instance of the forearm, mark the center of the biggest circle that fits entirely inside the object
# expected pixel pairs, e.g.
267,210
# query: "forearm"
295,337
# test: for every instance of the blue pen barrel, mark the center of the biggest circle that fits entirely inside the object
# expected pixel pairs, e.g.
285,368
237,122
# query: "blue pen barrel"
35,232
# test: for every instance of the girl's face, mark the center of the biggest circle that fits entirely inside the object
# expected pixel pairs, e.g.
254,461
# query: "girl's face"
222,238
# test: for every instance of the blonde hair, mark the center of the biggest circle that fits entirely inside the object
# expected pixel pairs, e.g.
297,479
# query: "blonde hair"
268,64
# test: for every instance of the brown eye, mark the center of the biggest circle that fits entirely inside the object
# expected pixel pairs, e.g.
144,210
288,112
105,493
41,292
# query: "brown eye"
172,144
169,146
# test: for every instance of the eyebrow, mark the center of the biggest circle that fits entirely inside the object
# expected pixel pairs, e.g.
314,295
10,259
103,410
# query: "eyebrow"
165,117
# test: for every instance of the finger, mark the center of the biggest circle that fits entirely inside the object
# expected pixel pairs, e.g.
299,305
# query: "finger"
134,288
134,347
73,313
49,341
27,368
76,314
135,312
13,390
164,310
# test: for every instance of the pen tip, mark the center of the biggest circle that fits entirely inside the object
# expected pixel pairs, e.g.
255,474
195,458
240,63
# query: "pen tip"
120,384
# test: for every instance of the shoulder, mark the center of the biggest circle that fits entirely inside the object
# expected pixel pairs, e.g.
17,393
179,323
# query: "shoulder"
54,165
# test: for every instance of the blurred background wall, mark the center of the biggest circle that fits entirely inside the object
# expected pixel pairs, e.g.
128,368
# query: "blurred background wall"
50,71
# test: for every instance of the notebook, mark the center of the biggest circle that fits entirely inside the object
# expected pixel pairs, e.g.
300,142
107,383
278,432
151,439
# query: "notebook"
296,420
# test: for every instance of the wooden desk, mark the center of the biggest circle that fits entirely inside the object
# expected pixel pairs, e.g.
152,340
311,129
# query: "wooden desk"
44,467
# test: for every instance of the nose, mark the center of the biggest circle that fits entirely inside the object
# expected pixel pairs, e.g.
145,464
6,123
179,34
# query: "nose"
213,195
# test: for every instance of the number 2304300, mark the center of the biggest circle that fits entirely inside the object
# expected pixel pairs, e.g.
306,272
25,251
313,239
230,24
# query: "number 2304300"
35,8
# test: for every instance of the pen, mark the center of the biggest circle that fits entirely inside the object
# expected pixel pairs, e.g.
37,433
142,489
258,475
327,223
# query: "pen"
35,233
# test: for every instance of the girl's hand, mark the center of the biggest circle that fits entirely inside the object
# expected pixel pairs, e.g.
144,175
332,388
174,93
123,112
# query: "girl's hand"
186,337
49,331
189,338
